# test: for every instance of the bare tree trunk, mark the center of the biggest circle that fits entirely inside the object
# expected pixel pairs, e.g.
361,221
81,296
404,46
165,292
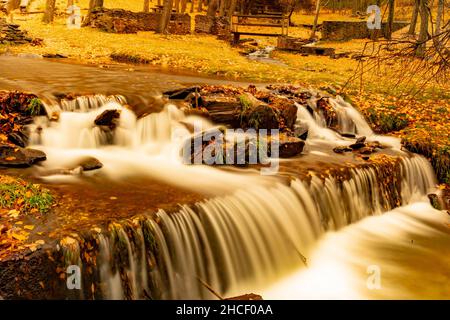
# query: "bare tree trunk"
232,9
423,35
316,20
146,5
183,6
412,27
223,7
49,11
165,17
192,6
93,4
212,8
200,5
390,23
439,16
177,6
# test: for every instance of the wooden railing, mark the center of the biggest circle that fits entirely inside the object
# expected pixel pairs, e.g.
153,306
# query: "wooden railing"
274,21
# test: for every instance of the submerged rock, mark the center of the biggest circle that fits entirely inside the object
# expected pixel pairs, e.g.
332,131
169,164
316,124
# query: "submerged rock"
348,135
18,157
108,118
342,149
366,150
90,164
357,146
361,139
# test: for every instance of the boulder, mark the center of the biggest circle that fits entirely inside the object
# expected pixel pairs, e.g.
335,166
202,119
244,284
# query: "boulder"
17,157
18,138
222,109
90,164
291,147
357,146
330,115
366,150
262,117
301,131
108,118
361,139
342,149
181,93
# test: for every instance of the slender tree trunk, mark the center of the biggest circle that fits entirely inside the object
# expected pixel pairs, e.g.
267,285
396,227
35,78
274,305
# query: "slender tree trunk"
423,35
316,20
222,7
146,5
192,6
177,6
49,11
412,27
165,17
212,8
200,5
439,16
232,9
390,23
183,6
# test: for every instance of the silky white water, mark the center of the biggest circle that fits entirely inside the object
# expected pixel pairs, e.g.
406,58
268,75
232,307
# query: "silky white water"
252,233
403,254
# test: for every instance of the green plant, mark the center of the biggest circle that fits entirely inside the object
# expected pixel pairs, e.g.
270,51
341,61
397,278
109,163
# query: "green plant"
25,196
35,107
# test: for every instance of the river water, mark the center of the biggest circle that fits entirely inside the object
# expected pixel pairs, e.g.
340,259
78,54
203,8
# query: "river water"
320,238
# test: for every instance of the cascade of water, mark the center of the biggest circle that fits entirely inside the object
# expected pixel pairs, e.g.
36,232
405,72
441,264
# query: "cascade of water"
234,242
408,248
88,103
316,125
245,240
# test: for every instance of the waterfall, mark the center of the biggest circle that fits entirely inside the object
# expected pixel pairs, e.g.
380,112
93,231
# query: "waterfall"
252,237
250,232
409,246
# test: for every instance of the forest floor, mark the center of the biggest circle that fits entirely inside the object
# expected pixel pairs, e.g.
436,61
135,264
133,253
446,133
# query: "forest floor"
422,120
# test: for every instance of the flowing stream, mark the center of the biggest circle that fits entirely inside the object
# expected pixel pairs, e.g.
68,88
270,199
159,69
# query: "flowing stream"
367,233
253,232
